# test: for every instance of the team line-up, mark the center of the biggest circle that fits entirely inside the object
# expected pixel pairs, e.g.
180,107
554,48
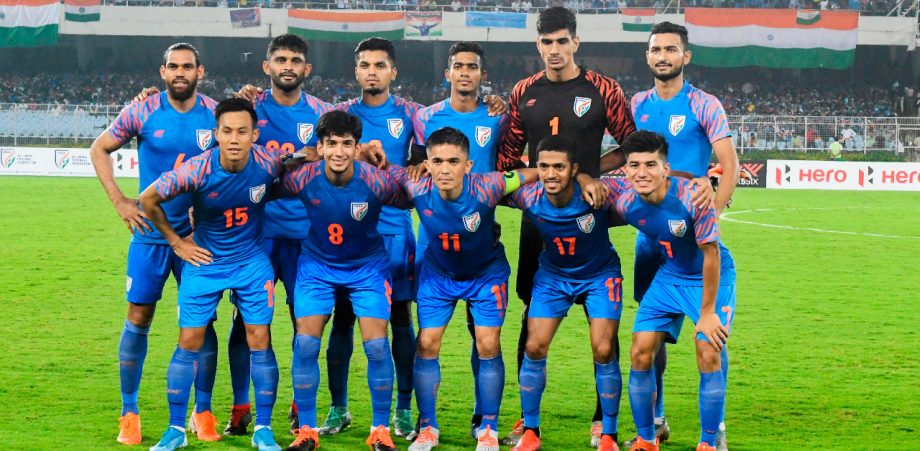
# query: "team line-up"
279,185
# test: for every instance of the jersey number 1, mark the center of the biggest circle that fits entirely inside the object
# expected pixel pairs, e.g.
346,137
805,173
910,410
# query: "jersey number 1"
554,125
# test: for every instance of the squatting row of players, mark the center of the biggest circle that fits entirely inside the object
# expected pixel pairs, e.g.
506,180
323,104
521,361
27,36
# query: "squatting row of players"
337,233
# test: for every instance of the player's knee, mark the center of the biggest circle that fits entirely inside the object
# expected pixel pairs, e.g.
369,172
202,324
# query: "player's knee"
707,358
603,352
258,337
536,350
141,315
428,346
191,338
640,357
488,345
401,314
376,350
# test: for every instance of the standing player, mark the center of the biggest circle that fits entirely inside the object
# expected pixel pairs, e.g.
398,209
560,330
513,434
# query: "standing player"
578,262
464,111
170,127
287,118
693,122
696,279
385,120
343,253
227,186
562,99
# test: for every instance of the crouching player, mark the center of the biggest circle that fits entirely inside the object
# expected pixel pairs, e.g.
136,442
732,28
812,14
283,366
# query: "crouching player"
578,263
697,280
228,186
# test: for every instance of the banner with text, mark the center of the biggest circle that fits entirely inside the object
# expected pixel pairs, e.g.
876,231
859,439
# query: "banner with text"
843,175
62,162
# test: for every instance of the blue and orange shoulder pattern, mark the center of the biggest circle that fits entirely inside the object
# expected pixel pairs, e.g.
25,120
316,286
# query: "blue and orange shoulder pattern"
705,222
384,186
186,178
488,188
132,117
297,179
422,116
710,113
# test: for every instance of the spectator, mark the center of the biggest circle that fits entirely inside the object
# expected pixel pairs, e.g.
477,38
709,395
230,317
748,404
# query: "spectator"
835,149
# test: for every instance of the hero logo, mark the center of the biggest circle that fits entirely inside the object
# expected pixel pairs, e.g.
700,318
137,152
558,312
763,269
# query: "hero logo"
586,223
204,138
61,158
358,210
471,222
304,132
483,135
678,227
256,193
581,106
750,174
888,177
808,175
395,127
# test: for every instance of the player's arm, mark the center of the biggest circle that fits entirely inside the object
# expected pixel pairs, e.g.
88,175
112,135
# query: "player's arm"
592,190
613,160
185,248
520,177
127,208
724,149
511,147
709,324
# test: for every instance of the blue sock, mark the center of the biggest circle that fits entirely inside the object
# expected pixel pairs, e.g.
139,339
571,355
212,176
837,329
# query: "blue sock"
238,355
661,363
132,350
305,373
641,391
724,376
474,365
380,379
403,358
179,379
338,359
609,386
427,375
491,387
532,381
207,370
712,404
264,369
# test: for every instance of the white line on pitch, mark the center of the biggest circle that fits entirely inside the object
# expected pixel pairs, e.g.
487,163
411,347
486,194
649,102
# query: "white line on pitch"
728,217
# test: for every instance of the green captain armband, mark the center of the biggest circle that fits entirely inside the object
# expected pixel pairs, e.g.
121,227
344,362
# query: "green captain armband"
513,181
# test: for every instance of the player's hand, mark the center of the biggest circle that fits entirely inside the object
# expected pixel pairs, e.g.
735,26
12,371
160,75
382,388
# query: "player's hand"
593,191
704,197
188,250
711,327
416,172
146,92
248,92
132,215
373,153
496,105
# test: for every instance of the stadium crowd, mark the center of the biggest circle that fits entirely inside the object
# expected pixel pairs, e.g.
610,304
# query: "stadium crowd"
762,98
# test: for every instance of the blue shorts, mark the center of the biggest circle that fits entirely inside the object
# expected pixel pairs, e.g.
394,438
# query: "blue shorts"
149,266
283,253
665,305
648,259
401,249
368,287
487,296
252,280
552,296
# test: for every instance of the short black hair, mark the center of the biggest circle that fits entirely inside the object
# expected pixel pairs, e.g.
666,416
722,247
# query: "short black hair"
182,46
466,46
449,135
377,43
234,104
558,143
669,28
645,141
290,42
338,123
554,19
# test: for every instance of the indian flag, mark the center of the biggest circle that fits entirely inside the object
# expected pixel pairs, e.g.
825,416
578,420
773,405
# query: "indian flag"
82,10
775,38
346,26
29,23
638,19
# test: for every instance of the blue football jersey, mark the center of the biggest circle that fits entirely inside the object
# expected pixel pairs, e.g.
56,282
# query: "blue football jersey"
391,124
460,232
483,131
690,122
576,245
229,207
165,139
343,230
288,128
678,227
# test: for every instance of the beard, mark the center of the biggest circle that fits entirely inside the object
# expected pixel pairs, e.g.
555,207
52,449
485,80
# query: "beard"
376,90
285,86
182,94
670,75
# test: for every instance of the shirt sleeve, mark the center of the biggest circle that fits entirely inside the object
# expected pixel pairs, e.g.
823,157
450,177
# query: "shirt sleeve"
385,186
522,197
617,187
186,178
705,225
514,138
418,127
489,188
620,121
711,114
295,180
128,123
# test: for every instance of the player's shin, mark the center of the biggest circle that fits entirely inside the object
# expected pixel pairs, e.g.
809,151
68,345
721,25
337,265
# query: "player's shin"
403,355
641,392
305,374
132,351
532,382
339,351
491,387
238,356
427,375
264,370
380,379
179,379
661,364
712,405
609,386
724,359
207,370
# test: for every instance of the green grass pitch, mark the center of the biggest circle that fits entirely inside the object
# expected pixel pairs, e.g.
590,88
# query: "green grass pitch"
823,351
